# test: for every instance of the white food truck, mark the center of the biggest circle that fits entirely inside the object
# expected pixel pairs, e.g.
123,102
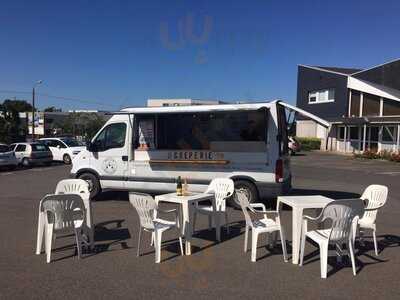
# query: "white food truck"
146,149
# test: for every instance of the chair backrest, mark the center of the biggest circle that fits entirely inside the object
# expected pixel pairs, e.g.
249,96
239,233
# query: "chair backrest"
62,210
222,188
341,216
145,206
376,196
245,206
74,186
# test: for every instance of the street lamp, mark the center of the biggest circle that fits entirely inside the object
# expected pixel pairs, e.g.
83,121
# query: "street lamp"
33,108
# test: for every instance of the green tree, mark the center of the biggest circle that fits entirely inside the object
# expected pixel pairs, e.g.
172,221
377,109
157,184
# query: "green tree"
10,124
83,124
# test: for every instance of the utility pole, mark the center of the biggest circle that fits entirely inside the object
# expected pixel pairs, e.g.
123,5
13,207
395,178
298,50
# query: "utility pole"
33,114
33,108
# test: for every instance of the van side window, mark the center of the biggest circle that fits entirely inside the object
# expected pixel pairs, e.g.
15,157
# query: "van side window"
216,131
112,136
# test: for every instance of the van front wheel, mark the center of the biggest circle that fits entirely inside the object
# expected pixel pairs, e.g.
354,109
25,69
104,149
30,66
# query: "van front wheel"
248,189
94,184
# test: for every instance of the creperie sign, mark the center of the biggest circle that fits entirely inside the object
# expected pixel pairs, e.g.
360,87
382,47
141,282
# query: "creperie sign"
194,155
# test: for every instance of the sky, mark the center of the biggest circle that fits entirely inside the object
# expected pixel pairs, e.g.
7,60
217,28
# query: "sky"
111,54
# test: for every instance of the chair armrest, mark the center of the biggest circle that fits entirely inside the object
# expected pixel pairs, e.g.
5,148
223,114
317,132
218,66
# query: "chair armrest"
373,208
168,210
258,205
308,218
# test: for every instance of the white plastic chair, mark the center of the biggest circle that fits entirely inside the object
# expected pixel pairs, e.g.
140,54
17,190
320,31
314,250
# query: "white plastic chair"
70,186
63,213
80,187
343,219
222,188
147,210
375,195
260,225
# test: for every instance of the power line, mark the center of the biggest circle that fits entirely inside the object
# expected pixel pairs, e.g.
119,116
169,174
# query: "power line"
57,97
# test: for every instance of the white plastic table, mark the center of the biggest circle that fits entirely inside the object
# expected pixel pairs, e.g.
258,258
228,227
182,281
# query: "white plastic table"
187,203
298,204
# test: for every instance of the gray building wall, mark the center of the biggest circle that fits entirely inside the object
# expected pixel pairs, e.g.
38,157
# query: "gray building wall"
309,79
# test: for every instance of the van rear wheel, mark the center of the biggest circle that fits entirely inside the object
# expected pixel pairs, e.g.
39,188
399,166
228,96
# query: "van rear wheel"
94,184
248,189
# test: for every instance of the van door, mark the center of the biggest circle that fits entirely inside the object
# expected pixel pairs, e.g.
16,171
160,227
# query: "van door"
110,155
56,149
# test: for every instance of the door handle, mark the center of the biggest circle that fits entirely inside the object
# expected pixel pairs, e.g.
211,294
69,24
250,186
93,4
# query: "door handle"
124,157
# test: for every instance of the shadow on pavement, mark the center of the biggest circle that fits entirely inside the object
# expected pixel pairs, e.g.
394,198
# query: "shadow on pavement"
337,195
384,241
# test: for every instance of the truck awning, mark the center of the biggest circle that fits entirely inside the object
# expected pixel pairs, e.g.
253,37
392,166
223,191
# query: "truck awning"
305,114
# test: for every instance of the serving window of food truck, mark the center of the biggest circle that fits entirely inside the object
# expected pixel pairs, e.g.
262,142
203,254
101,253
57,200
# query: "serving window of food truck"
231,131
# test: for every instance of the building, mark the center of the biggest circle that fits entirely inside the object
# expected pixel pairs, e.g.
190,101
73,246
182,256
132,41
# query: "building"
73,122
362,106
180,102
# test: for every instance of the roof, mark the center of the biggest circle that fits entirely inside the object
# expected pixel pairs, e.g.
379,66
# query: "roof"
196,108
346,71
378,66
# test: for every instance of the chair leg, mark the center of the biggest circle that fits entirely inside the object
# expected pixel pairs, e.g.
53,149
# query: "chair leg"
48,241
254,238
40,232
350,246
152,239
78,239
181,245
375,242
246,238
283,242
324,259
157,240
210,225
302,248
139,241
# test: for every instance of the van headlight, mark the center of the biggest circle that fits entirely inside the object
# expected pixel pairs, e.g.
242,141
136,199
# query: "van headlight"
75,152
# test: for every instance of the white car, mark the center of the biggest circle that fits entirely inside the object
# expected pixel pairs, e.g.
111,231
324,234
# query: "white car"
63,149
30,154
7,157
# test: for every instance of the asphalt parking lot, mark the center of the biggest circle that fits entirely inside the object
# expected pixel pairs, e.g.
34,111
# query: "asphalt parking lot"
217,270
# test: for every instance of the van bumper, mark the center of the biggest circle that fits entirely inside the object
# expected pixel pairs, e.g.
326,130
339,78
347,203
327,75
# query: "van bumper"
273,190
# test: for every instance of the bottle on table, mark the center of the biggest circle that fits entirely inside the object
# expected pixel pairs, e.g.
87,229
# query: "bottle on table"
185,187
179,186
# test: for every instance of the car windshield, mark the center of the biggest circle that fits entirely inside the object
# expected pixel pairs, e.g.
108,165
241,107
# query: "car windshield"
4,148
72,143
39,147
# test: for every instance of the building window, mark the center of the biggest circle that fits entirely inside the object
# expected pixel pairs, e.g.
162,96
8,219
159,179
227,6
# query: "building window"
341,133
321,96
354,133
389,134
391,108
371,105
355,104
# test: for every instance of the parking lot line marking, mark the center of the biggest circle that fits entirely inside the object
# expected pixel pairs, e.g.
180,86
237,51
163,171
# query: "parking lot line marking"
388,173
7,173
40,169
